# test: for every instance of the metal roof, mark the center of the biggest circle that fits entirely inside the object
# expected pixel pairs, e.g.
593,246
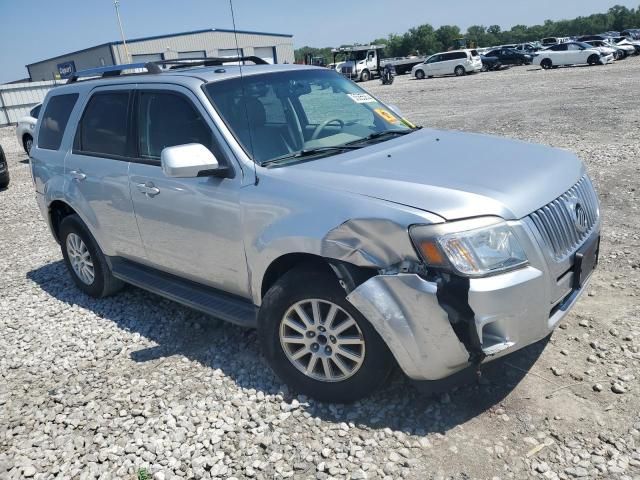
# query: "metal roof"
156,37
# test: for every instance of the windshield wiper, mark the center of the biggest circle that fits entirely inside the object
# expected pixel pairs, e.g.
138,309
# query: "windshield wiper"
386,133
308,152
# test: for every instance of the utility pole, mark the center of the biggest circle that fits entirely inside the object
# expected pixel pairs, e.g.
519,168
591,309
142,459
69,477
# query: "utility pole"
116,3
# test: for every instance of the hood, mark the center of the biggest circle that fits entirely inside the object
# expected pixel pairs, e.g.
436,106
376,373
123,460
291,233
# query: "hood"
452,174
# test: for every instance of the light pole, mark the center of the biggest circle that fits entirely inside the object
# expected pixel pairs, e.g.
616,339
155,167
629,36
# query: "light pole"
116,3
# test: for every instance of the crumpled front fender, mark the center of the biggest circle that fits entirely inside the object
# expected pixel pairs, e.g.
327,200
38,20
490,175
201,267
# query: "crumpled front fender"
404,310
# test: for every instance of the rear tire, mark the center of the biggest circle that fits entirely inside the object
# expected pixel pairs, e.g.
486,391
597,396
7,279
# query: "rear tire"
27,142
460,71
308,355
84,259
546,64
419,74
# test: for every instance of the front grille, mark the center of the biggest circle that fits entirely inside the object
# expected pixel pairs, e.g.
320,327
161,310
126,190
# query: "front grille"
567,221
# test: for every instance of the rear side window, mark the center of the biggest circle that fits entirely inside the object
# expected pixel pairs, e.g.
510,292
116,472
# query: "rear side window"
35,111
54,120
103,128
167,119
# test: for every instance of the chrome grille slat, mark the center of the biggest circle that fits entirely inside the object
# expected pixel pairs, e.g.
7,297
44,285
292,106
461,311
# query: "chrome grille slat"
556,222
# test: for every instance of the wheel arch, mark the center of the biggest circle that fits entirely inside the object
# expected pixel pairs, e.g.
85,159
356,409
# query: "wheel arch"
349,275
57,211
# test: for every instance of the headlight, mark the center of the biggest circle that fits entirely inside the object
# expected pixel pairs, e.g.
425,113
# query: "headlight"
469,249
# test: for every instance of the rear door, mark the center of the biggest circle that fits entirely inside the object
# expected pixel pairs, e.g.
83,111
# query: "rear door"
190,227
97,170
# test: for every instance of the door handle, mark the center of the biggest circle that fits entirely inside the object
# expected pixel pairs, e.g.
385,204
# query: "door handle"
149,189
77,175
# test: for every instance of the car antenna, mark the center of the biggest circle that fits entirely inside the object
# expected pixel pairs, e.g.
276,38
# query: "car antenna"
244,99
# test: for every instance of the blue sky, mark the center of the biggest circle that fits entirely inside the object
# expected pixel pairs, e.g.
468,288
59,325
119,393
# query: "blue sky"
37,29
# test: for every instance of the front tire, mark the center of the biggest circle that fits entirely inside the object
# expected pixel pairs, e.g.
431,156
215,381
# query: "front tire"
365,76
317,342
84,259
593,60
420,74
546,64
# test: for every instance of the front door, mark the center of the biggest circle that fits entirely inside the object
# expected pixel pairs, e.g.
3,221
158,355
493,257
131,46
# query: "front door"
190,227
97,170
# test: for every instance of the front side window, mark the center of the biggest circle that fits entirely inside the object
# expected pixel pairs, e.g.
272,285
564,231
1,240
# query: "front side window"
167,119
289,114
104,124
54,120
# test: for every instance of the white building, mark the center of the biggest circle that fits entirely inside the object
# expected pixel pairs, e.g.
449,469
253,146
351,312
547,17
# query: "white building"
272,47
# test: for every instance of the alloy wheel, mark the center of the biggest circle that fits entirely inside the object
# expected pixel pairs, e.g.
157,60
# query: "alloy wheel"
80,259
322,340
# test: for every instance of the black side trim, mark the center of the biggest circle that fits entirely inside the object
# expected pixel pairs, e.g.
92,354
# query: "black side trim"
216,303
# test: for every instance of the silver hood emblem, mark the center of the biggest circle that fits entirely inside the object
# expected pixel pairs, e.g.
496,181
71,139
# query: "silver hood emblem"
578,214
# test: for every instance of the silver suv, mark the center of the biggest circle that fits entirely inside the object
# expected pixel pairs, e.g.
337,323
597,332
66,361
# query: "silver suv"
287,198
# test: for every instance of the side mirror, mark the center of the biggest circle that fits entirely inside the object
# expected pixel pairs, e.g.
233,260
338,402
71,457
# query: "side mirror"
190,161
395,109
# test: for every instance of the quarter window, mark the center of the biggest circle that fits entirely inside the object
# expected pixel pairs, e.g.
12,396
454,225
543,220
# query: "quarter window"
103,128
55,119
168,119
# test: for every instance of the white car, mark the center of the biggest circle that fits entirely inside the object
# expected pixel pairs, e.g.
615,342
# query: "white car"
570,53
632,47
457,62
26,126
606,48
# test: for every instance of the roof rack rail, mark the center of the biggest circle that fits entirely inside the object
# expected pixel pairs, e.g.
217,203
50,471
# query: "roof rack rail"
155,66
108,71
208,62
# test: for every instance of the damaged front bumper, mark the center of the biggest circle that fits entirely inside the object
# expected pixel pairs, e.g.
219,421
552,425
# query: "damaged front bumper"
437,328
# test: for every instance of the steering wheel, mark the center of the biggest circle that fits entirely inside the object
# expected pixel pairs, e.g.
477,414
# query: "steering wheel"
323,125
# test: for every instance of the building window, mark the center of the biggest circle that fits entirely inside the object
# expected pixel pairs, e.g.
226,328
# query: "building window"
193,54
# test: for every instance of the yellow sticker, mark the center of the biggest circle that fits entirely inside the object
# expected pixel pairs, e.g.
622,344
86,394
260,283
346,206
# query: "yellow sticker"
387,116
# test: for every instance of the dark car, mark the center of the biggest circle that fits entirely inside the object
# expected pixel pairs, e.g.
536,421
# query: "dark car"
4,170
509,56
490,63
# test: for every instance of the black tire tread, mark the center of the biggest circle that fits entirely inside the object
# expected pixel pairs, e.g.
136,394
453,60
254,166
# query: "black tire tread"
310,282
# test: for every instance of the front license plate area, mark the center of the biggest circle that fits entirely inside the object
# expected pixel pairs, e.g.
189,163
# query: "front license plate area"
586,261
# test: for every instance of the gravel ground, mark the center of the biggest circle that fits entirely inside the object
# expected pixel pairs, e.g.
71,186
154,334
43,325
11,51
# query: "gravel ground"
136,385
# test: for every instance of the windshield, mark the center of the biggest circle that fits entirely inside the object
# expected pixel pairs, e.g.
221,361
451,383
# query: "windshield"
284,114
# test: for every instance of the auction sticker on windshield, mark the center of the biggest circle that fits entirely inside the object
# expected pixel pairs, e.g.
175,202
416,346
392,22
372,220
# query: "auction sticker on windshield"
386,115
361,97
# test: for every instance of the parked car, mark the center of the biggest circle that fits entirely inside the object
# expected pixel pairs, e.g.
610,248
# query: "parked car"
4,170
624,42
26,126
528,48
509,56
570,53
627,48
457,62
353,240
631,33
547,42
490,63
607,48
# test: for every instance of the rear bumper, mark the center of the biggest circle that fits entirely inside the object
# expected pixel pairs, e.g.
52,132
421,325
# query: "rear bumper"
510,311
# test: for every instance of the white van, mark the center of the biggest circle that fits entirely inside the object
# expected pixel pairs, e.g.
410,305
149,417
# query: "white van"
457,62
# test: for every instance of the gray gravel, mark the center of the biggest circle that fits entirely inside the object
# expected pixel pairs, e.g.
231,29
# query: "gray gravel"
109,388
